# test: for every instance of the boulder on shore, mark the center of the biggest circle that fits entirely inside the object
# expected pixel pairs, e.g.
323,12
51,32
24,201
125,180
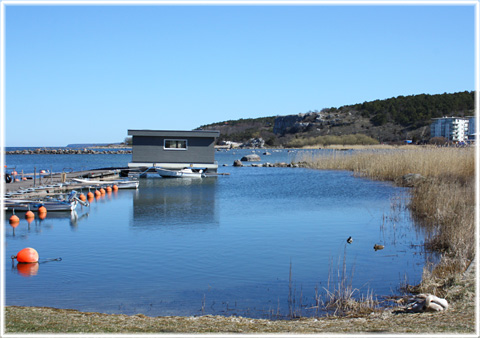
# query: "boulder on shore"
410,180
427,303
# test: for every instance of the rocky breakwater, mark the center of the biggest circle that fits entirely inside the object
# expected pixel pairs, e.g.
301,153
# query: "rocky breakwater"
67,151
238,163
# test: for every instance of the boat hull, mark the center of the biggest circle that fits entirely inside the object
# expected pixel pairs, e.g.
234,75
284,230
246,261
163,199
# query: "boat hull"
184,173
26,205
126,184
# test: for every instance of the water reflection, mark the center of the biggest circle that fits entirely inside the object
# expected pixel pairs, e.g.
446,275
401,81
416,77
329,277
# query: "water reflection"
27,269
179,203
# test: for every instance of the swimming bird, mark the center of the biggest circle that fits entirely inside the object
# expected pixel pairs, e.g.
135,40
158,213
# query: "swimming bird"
349,240
378,247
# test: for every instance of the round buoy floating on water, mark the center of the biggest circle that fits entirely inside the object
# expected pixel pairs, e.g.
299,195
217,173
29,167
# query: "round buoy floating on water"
97,193
82,197
109,189
24,178
27,255
42,215
42,210
29,215
102,191
14,219
90,194
114,188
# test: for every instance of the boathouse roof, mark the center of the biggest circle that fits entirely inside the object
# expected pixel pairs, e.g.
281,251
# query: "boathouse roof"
174,133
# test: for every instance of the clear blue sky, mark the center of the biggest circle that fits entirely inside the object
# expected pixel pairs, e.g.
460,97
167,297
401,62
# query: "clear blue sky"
87,74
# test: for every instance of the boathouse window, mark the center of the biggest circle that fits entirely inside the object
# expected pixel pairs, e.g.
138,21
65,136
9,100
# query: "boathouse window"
175,145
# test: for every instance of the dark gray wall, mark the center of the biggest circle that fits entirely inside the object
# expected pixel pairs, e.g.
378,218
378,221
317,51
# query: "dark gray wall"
149,149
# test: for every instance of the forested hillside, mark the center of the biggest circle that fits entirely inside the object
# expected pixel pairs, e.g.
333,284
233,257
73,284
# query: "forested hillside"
416,110
390,120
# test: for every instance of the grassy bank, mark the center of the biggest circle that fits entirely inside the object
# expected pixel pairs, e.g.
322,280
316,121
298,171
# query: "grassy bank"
328,140
443,198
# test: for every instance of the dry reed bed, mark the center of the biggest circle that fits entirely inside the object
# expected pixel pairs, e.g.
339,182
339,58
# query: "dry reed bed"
443,202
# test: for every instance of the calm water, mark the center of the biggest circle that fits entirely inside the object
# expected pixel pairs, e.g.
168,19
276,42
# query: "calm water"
214,246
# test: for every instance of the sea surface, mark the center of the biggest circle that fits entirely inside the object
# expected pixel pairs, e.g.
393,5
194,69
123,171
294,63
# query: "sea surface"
259,242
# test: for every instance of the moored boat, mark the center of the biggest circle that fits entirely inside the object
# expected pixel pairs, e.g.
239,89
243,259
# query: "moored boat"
121,184
69,204
183,173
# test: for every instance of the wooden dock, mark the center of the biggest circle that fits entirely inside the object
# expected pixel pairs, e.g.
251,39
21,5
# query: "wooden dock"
53,183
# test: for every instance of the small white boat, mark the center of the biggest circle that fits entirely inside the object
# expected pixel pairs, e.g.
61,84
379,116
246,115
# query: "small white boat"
69,204
183,173
122,184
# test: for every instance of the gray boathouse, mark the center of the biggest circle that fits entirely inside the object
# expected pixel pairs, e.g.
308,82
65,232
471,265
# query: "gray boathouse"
170,149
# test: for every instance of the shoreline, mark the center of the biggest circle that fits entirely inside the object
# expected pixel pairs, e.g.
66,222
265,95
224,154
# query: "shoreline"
459,318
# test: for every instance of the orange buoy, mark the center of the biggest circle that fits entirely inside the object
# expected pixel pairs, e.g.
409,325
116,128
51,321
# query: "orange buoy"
102,191
42,210
82,197
14,219
27,255
109,189
90,194
97,193
115,188
42,215
24,178
29,215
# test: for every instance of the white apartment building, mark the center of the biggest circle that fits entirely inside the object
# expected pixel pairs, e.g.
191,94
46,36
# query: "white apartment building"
454,129
471,127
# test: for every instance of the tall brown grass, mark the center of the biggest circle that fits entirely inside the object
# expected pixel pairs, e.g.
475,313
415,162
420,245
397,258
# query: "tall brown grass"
432,162
443,202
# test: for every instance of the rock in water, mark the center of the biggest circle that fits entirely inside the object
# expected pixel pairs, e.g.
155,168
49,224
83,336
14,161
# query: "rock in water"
251,158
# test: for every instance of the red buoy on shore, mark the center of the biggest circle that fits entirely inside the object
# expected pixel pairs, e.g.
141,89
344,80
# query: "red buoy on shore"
27,255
